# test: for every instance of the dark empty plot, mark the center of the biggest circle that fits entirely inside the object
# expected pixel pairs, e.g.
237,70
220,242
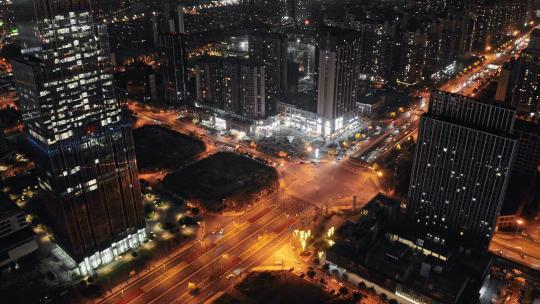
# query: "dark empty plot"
282,287
161,148
222,175
226,299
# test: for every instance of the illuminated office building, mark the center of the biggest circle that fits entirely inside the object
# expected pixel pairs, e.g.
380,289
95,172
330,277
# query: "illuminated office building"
82,143
461,170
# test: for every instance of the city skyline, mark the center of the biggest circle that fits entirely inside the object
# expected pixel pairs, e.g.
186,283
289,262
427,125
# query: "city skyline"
257,151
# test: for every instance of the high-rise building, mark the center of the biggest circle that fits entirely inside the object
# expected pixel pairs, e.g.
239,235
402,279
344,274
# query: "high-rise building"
527,90
5,150
235,85
289,11
7,15
301,10
82,142
495,21
412,57
528,153
301,50
439,5
461,169
174,68
4,147
503,84
167,17
171,17
338,85
208,87
447,38
252,89
271,50
377,47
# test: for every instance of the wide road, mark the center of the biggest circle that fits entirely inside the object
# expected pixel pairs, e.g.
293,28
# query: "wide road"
474,78
400,130
245,240
516,248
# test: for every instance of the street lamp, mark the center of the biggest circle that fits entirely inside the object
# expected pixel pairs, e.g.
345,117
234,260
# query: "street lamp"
519,223
303,237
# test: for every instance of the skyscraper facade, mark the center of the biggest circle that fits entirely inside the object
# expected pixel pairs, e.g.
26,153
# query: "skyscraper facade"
234,85
495,20
528,155
82,143
271,50
174,68
527,91
301,10
217,83
338,83
412,58
5,151
252,85
461,170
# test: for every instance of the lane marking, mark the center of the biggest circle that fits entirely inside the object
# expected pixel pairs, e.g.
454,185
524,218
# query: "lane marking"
235,246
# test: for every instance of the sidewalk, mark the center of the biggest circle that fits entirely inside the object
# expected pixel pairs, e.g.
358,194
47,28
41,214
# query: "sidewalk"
155,266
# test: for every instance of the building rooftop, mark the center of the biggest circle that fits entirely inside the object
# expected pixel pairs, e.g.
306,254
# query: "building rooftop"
522,125
534,42
7,207
391,261
15,239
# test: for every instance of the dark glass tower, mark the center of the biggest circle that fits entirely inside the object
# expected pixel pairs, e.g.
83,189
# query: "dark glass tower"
174,68
83,144
461,169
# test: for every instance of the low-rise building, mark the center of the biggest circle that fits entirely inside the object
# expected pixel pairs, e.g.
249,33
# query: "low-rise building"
378,103
374,248
17,239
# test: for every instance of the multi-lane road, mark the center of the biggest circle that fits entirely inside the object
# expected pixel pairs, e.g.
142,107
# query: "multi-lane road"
475,79
248,240
394,134
516,248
